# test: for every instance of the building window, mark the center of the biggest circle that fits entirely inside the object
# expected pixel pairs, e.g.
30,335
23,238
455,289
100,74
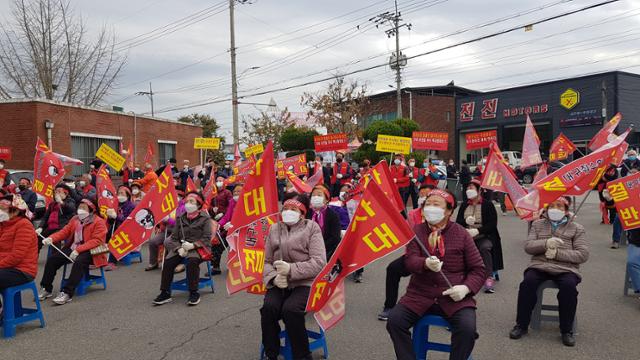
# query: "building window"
166,151
84,148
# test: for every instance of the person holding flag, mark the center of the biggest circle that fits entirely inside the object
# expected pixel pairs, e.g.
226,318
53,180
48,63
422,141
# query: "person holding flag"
443,280
115,217
557,246
294,256
58,214
225,223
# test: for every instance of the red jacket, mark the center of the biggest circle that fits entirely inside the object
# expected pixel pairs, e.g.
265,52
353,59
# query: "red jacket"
93,235
342,168
462,266
19,246
400,174
427,178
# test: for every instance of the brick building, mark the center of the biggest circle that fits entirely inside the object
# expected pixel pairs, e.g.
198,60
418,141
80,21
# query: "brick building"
433,108
78,132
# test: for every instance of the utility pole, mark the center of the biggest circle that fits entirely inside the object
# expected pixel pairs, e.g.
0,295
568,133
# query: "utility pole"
234,76
150,95
397,60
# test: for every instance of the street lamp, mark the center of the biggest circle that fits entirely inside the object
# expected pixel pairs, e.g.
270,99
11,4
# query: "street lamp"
48,124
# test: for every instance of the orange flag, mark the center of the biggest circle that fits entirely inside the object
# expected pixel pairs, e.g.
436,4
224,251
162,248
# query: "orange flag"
191,186
561,148
48,170
603,136
530,146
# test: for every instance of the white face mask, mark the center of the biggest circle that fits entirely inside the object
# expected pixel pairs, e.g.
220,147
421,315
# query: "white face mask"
555,214
82,183
219,184
290,217
82,214
136,169
342,193
4,216
122,198
421,201
317,202
190,208
433,214
58,198
135,191
1,166
397,161
472,194
71,185
236,197
412,164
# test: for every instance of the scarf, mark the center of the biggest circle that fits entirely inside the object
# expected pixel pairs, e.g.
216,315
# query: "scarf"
318,217
78,237
556,224
436,241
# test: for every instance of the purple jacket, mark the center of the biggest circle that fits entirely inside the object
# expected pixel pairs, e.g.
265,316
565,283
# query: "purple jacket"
462,265
229,213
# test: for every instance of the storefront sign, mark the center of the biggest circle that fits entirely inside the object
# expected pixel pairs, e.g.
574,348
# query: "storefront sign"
466,111
569,99
393,144
526,110
5,153
424,140
489,109
206,143
479,140
582,118
331,142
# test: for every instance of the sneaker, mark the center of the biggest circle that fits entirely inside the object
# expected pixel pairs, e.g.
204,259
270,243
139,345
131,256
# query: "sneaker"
568,339
489,286
180,268
163,298
151,267
215,271
615,245
384,315
62,298
517,332
44,294
110,267
194,298
504,213
357,278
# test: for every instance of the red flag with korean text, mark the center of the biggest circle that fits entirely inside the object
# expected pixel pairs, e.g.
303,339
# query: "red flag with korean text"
376,230
148,156
191,186
296,164
107,195
561,148
300,186
498,176
530,146
157,204
382,176
605,134
333,311
48,170
575,178
625,193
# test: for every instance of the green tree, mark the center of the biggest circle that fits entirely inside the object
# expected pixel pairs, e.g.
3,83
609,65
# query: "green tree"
266,126
408,126
300,138
382,127
210,128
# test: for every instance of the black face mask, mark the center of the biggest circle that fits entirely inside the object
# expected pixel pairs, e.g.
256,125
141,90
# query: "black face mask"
22,187
339,159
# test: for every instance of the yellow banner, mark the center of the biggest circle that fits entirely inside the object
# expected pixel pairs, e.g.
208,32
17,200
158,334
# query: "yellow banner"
394,144
206,143
110,157
254,150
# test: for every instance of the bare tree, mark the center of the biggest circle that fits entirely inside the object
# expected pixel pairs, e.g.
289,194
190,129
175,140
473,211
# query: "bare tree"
339,107
45,52
266,126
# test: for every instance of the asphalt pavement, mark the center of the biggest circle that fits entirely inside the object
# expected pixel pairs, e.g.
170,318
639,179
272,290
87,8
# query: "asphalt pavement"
121,323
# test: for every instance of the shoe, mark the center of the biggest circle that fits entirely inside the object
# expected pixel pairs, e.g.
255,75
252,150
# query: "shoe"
568,339
179,268
44,294
357,278
151,267
517,332
215,271
504,213
62,298
615,245
194,298
163,298
384,315
110,267
489,286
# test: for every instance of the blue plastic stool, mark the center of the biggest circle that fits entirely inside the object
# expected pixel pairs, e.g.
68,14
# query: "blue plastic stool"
128,259
86,282
318,341
203,282
14,313
421,343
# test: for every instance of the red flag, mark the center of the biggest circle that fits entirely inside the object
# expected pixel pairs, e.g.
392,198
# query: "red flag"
130,159
210,190
48,170
300,186
148,157
236,155
561,148
498,176
530,146
575,178
333,311
157,204
316,179
541,174
296,164
603,136
382,176
625,192
375,231
106,192
190,185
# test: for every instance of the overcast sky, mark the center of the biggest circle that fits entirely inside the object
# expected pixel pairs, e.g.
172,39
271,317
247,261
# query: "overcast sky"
295,41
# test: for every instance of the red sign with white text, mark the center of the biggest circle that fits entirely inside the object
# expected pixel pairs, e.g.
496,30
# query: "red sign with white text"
480,140
5,153
425,140
625,193
331,142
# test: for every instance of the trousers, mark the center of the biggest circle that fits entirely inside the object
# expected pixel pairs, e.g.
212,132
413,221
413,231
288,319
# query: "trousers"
193,272
395,271
12,277
55,261
288,305
154,245
485,247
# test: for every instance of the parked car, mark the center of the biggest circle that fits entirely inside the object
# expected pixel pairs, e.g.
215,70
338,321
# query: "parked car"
15,176
527,174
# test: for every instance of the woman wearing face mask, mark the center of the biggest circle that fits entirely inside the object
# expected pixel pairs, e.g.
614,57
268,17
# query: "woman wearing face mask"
18,244
607,206
115,218
191,235
58,213
85,189
326,218
84,232
455,255
294,256
220,203
136,193
163,231
557,246
479,217
225,223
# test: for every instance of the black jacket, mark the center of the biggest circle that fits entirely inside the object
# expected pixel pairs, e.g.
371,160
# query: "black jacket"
489,229
633,236
66,211
330,231
30,198
465,176
629,164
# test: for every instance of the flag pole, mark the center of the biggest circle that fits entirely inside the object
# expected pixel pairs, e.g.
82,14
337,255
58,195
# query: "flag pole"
60,251
424,249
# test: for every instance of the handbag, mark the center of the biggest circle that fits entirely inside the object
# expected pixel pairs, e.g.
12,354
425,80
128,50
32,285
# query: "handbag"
99,250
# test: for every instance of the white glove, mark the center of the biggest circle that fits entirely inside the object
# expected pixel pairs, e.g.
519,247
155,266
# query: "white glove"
111,213
551,253
39,231
203,171
47,241
182,252
282,267
395,180
215,209
188,246
74,254
553,243
433,263
457,292
470,220
218,217
304,178
473,232
411,174
606,195
339,176
281,281
228,226
414,180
